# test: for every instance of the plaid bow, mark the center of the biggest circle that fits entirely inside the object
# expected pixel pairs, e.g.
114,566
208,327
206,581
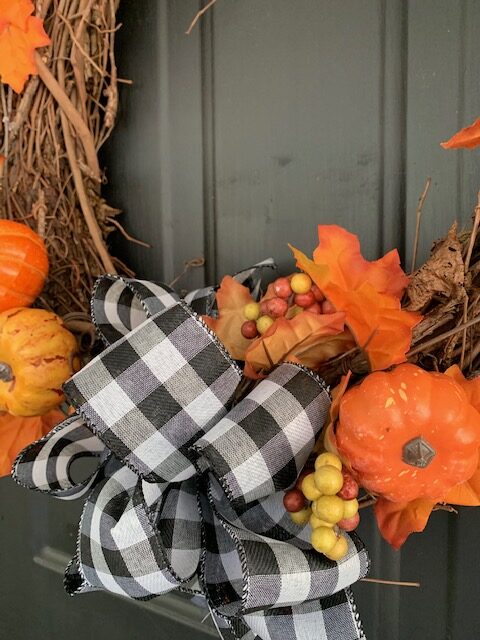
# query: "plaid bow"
189,486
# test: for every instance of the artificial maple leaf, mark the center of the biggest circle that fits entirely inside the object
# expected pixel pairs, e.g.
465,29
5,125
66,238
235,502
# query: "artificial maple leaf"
16,433
231,300
339,250
20,34
308,339
466,138
470,386
397,520
366,293
330,439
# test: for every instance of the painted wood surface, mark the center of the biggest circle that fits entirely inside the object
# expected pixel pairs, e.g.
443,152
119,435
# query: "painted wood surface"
271,117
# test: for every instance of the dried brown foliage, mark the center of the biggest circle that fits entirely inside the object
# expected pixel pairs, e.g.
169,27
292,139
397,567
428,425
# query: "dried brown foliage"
52,134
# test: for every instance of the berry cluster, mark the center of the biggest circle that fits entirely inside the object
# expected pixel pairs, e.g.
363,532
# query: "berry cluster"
296,293
331,493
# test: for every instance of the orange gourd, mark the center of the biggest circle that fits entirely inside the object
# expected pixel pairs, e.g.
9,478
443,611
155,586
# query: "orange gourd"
37,355
23,265
409,433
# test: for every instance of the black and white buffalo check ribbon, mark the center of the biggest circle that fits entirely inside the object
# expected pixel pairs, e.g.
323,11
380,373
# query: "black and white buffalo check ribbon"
188,490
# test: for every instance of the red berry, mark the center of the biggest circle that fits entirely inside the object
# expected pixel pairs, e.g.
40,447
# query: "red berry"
282,288
249,329
350,487
349,524
327,307
304,299
277,307
314,308
264,307
293,500
319,297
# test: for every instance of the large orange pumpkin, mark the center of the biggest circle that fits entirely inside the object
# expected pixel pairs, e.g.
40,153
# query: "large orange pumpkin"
409,433
23,265
37,355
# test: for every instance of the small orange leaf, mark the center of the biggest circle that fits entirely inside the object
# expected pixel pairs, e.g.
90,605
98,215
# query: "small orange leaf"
17,433
397,520
20,34
374,316
466,138
231,300
470,386
308,339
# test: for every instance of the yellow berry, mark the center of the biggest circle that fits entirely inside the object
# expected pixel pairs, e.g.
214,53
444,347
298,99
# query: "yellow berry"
301,517
301,283
340,549
329,508
350,508
329,459
264,323
316,522
309,489
328,480
323,539
251,311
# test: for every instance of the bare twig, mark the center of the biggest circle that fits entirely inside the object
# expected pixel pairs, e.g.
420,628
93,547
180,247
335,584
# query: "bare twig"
199,15
393,583
418,217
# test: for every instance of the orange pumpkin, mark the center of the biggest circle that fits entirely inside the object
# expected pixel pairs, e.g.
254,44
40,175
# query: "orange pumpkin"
37,355
409,433
23,265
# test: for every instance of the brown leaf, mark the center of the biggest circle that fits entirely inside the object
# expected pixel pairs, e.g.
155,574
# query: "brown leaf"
442,275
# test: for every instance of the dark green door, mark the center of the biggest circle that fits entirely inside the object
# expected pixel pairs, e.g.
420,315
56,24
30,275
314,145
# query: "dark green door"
271,117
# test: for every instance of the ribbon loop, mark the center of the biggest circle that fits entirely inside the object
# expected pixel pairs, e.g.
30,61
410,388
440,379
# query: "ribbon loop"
261,446
152,394
45,465
134,549
244,571
119,304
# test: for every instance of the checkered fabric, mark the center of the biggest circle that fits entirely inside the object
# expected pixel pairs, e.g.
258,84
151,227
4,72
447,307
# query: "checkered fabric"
45,465
245,571
153,393
261,446
188,492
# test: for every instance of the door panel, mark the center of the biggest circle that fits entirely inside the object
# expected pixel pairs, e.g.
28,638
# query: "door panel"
270,118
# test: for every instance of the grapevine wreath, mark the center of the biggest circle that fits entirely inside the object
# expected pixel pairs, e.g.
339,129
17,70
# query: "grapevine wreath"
239,429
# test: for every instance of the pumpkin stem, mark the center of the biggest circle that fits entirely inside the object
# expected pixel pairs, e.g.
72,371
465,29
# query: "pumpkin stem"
418,453
6,373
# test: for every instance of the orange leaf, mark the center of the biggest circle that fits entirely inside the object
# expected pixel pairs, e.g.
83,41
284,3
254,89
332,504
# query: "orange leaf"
467,138
368,293
330,439
17,433
471,387
339,250
397,520
308,339
20,34
231,300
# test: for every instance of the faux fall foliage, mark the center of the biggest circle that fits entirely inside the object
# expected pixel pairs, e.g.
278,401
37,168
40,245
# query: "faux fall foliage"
20,35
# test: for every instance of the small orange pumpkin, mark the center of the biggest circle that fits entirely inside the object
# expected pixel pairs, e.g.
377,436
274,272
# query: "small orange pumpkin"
37,355
23,265
409,433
